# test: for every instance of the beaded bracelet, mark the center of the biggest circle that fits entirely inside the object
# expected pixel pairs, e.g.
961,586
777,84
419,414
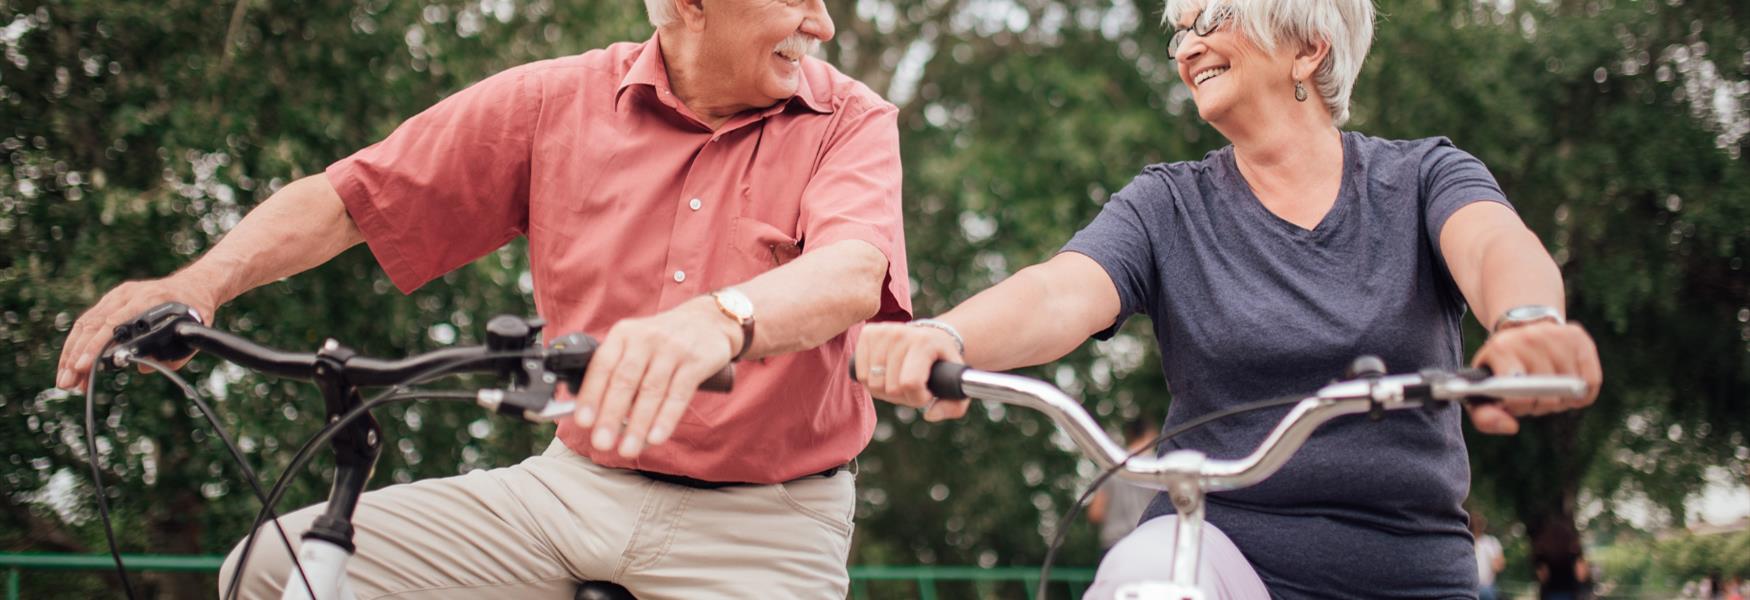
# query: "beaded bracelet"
959,342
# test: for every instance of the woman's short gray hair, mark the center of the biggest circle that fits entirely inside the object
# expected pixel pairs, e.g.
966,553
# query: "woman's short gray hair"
1346,24
661,12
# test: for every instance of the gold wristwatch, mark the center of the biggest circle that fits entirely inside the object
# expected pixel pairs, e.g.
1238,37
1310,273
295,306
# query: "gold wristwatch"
735,305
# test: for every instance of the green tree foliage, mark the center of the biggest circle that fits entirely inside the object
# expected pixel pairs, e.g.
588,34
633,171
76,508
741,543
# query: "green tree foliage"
136,134
1669,563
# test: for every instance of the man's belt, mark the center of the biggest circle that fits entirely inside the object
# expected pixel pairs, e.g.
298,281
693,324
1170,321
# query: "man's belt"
683,480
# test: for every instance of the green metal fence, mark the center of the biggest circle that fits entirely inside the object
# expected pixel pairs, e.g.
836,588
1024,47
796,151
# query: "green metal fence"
983,579
924,578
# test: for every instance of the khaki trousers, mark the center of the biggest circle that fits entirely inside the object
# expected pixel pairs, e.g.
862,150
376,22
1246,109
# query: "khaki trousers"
535,529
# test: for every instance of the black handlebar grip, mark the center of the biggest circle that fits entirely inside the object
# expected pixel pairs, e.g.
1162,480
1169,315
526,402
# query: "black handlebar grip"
721,381
945,379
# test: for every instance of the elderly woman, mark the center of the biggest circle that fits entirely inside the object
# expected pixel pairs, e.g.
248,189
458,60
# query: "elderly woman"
1267,266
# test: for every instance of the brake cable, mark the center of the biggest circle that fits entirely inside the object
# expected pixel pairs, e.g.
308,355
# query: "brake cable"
97,473
236,454
306,453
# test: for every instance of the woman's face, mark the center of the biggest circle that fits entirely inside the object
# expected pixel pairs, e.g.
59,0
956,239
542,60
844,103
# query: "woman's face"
1226,72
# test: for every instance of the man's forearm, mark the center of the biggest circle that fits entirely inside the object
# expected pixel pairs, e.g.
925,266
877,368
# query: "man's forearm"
814,298
299,227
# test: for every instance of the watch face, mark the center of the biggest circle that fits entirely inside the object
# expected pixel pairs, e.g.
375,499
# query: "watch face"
736,303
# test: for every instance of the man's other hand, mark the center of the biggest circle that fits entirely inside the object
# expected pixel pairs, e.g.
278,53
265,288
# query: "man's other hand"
126,301
642,378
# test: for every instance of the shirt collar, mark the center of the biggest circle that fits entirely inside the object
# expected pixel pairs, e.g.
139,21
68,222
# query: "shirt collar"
649,69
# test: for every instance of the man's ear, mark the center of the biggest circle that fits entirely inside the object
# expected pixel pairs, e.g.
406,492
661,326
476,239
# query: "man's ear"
691,12
1307,60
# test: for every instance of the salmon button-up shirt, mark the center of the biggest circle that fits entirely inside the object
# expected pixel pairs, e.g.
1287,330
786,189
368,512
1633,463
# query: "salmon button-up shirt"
632,205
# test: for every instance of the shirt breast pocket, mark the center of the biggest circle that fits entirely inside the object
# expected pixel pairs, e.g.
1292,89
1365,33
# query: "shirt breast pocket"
759,246
767,225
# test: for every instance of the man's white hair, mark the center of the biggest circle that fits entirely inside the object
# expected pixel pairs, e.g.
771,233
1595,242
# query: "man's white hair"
661,12
1346,24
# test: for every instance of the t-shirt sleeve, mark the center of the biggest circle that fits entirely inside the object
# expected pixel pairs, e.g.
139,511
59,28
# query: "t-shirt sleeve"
854,194
1118,239
1452,179
449,184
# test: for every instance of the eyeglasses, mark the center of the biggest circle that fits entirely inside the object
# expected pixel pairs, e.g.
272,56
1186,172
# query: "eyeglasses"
1205,23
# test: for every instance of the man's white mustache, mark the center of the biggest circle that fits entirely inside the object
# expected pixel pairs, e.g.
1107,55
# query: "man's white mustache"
797,45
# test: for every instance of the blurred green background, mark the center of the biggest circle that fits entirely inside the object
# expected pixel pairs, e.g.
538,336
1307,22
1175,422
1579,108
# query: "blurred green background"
135,134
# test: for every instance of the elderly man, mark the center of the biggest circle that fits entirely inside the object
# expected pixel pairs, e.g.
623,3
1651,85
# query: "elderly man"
710,195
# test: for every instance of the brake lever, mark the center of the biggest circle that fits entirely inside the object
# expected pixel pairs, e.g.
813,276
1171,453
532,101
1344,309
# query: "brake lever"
552,412
152,334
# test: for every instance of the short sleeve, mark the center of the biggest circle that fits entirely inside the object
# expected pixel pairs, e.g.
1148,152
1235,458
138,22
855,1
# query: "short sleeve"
449,184
1452,179
854,194
1118,239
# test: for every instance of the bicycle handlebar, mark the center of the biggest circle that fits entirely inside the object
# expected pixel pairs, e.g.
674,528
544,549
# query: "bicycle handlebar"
170,332
1370,393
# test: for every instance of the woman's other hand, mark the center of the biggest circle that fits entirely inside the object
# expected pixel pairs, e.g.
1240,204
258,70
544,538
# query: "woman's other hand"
894,360
1536,349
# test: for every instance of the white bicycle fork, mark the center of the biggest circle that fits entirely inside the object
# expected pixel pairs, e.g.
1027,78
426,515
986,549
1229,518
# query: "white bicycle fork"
325,564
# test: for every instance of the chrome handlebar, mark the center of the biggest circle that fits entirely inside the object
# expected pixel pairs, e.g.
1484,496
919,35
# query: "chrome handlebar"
1188,475
1355,396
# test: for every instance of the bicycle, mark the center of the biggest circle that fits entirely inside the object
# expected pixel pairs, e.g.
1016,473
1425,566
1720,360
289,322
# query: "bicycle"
531,375
1187,476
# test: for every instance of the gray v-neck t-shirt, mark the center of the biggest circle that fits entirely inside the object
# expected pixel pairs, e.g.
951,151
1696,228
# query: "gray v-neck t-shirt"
1248,306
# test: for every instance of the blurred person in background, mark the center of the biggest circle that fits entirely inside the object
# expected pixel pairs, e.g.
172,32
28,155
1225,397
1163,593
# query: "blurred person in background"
1559,566
1117,508
1490,558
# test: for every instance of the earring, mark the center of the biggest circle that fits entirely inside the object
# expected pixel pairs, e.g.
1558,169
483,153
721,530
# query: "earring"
1299,92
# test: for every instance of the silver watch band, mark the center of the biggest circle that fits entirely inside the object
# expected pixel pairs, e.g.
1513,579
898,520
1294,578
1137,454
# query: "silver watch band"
1527,314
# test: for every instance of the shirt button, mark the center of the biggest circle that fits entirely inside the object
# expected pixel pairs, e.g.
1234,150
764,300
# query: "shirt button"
680,276
695,204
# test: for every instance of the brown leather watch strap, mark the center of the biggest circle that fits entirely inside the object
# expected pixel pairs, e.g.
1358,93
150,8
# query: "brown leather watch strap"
735,305
746,339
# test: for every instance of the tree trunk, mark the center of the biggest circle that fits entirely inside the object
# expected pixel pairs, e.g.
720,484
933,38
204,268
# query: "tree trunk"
177,530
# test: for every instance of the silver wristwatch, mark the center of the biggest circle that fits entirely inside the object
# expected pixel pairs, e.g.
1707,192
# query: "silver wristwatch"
1528,314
